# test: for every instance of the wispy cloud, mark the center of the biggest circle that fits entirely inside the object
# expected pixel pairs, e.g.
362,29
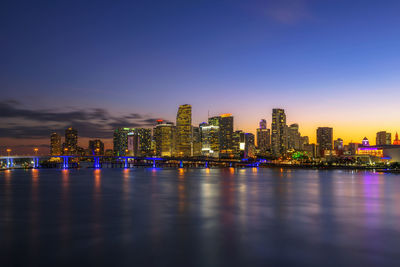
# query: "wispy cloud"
16,121
284,11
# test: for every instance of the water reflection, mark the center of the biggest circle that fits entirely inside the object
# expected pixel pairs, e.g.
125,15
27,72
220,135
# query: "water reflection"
7,212
373,193
34,221
98,237
212,217
126,184
182,204
65,216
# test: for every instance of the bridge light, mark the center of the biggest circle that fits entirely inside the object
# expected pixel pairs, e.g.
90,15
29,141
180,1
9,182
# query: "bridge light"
8,151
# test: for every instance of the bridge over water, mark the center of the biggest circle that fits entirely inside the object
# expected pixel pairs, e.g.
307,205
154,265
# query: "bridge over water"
127,161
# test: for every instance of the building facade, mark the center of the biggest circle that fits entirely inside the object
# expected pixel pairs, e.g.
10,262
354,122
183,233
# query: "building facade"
225,123
263,138
164,139
139,142
324,139
120,141
209,140
70,146
184,131
278,132
96,147
55,144
383,138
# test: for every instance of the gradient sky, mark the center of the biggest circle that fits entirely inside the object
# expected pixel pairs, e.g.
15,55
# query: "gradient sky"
110,63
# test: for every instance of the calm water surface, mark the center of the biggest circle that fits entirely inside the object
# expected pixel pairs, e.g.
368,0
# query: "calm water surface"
199,217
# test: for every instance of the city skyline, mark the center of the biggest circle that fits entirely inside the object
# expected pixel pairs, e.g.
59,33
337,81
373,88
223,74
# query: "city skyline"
329,64
150,123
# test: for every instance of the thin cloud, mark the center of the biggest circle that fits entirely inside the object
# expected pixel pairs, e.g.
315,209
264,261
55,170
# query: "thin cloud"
284,11
24,123
288,11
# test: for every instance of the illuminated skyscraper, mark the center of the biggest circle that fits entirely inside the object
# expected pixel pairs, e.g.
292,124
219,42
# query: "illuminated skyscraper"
196,142
184,131
225,123
249,145
263,138
294,138
324,139
120,141
139,142
383,138
236,141
278,135
55,144
96,147
71,141
210,140
338,144
263,124
163,137
215,121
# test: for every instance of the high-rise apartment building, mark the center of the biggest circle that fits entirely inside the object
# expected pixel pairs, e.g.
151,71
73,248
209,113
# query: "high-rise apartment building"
338,144
324,139
164,139
120,141
263,138
71,141
209,140
184,131
311,150
96,147
196,142
139,142
263,124
383,138
278,132
294,140
55,144
236,141
225,123
249,145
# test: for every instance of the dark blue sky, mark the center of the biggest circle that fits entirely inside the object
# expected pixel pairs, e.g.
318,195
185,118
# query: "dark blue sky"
326,62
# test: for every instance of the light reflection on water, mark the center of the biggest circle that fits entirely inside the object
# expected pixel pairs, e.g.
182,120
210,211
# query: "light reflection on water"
200,217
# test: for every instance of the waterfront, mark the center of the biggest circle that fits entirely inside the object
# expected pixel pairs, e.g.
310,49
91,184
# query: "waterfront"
199,217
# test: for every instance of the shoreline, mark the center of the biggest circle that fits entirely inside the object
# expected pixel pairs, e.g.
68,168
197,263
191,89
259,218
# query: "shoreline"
272,166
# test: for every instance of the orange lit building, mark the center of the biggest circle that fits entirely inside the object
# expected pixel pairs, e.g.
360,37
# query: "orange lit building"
371,151
396,141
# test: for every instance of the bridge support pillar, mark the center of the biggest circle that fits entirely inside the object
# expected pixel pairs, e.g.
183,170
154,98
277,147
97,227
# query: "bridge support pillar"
126,163
65,163
206,164
154,163
181,164
96,163
35,163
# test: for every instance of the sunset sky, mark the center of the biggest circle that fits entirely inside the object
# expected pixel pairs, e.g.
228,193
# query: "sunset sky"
97,65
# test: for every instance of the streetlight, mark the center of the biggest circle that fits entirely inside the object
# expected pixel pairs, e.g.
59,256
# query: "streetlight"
8,151
36,150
